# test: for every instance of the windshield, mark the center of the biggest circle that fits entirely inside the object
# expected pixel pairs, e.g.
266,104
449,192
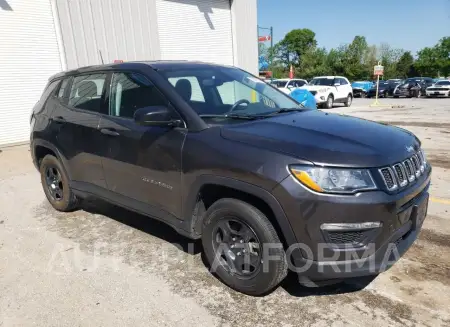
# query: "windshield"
278,83
216,90
322,81
443,83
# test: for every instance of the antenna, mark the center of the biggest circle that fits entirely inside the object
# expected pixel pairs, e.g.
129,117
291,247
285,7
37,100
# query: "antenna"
101,57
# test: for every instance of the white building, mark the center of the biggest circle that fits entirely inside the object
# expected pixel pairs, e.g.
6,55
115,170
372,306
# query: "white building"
39,38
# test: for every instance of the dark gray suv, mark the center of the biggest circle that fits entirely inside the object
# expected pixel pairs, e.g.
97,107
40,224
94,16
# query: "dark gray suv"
220,155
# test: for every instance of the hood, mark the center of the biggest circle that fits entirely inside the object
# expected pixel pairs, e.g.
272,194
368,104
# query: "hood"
326,139
315,87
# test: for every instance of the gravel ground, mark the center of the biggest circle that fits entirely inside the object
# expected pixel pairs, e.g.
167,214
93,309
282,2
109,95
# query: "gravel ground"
105,266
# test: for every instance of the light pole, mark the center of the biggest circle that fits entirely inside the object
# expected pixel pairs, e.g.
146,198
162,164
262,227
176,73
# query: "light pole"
271,43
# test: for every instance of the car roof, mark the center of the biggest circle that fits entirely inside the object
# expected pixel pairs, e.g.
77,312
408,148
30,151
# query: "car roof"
157,65
330,77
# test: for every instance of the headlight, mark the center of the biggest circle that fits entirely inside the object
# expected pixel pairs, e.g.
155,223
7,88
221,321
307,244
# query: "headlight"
333,180
322,90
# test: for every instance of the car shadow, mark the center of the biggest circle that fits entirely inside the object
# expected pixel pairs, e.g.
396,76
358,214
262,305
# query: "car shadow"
293,288
164,232
143,223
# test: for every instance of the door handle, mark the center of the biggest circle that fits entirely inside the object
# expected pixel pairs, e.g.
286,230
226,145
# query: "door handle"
110,132
58,119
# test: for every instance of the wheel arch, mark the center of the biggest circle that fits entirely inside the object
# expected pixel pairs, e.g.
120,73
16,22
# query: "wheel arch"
40,148
194,203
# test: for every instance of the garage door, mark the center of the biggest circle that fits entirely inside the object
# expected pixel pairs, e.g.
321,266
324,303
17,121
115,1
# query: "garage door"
195,30
28,57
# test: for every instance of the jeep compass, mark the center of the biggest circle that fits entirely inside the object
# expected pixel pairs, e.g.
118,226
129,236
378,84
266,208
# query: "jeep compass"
266,184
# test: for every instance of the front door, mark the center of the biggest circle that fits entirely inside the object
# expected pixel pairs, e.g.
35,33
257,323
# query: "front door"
142,163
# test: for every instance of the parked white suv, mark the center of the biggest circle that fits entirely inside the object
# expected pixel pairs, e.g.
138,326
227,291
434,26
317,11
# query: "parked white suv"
329,90
287,85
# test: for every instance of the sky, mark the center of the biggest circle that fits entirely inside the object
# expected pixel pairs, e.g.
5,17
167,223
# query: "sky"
407,24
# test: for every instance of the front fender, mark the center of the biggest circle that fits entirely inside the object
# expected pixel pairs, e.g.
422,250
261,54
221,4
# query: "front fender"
191,200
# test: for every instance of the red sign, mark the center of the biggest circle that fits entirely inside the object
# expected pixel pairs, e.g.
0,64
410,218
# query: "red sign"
118,61
291,72
264,38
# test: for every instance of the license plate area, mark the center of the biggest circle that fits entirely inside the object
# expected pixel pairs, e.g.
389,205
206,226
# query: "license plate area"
419,213
436,92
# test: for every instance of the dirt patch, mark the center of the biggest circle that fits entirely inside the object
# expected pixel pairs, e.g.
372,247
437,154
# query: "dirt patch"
438,239
442,161
431,262
395,310
418,124
445,132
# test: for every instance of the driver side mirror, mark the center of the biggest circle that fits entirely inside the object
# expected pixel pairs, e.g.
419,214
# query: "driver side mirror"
337,84
156,116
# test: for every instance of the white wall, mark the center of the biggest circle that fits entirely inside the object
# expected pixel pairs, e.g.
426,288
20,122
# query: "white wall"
245,34
119,29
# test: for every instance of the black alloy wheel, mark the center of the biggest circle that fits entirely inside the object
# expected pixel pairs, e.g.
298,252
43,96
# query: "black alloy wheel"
54,183
237,247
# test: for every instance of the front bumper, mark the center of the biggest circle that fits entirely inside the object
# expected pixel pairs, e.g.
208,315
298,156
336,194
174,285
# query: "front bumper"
320,97
438,93
316,259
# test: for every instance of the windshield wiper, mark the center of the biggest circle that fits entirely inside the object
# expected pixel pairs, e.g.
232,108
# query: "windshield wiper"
232,116
284,110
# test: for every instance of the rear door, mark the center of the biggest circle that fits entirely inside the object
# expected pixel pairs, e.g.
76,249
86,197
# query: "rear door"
75,121
141,163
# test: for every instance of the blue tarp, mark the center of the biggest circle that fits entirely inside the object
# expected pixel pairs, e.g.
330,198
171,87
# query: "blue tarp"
365,85
263,64
304,97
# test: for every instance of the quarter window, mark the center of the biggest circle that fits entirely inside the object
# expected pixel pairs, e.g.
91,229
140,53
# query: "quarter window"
86,92
63,87
130,92
50,89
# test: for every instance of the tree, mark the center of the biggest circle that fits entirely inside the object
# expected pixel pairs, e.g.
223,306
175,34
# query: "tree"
427,62
296,43
389,57
405,66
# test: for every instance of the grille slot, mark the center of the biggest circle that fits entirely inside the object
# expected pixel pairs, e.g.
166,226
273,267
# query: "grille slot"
348,237
409,170
401,175
416,165
389,178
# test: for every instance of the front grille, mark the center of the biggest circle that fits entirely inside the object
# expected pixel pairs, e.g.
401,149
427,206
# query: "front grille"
403,173
437,89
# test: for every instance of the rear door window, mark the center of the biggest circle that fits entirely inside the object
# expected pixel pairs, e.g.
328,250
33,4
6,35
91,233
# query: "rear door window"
86,92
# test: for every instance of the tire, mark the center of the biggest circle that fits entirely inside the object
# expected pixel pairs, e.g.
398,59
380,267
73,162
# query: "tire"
349,101
269,273
66,201
329,103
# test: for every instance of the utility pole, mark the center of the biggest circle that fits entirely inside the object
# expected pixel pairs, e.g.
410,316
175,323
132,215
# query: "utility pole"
271,43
